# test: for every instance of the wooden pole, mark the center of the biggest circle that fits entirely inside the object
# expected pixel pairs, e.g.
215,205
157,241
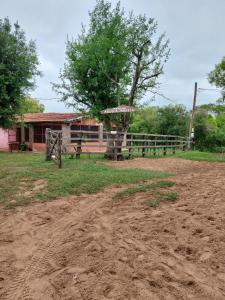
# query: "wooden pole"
47,144
144,145
130,144
154,149
164,151
192,115
60,149
79,142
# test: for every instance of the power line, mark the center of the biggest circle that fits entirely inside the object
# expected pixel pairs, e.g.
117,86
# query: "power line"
159,94
47,99
203,89
167,98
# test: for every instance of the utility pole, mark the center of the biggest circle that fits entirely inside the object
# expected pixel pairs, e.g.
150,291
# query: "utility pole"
192,116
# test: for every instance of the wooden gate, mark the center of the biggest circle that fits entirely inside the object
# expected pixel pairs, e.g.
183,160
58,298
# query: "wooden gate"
53,142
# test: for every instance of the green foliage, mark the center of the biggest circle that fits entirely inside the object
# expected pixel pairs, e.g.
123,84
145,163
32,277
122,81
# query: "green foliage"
210,128
145,120
217,76
209,124
30,105
18,67
171,119
115,61
213,108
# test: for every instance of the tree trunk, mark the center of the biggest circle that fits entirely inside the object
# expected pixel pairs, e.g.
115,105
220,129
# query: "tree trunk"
110,143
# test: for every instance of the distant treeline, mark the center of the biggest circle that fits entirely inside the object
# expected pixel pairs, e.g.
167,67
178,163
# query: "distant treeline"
209,124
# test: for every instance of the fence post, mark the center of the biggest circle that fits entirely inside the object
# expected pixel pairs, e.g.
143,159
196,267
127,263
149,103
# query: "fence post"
60,149
79,142
130,145
47,144
144,146
164,151
184,145
114,147
154,149
174,150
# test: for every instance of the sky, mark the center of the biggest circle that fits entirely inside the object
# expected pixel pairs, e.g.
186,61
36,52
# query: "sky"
195,29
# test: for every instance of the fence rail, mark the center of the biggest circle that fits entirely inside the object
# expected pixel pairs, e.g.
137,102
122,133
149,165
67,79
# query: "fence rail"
117,144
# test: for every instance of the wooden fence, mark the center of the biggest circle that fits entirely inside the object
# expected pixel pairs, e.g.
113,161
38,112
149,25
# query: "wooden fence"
118,145
53,151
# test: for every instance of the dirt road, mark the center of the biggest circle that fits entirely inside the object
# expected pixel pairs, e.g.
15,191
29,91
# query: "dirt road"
95,247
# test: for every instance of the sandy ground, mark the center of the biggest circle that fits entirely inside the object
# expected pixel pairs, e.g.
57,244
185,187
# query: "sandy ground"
96,247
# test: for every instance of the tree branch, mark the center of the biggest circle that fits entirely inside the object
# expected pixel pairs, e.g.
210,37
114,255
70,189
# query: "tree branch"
149,77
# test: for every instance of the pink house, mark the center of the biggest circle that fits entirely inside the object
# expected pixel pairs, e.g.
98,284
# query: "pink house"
7,138
32,130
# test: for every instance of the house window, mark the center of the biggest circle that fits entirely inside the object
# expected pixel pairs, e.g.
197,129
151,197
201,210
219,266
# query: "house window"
89,135
39,132
85,127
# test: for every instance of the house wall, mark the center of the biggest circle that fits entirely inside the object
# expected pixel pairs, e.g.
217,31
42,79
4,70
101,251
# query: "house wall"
12,135
40,147
6,136
4,139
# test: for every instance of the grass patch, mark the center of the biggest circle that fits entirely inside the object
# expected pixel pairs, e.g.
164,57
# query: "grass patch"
76,177
190,155
170,196
153,203
144,188
201,156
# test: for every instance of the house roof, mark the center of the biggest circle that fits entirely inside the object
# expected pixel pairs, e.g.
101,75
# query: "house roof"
48,117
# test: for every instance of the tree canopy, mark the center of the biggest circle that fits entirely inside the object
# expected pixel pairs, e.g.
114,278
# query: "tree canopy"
116,61
18,68
30,105
171,119
217,76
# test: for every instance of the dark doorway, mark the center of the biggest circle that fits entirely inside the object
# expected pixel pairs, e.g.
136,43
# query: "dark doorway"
18,135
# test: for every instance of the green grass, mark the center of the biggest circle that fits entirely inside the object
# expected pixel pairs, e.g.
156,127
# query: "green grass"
144,188
201,156
153,203
190,155
20,171
159,197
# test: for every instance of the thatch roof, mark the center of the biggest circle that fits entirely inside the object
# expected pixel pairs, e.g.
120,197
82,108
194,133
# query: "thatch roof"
119,109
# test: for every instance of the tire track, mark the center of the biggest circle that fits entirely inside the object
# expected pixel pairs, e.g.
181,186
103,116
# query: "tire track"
19,289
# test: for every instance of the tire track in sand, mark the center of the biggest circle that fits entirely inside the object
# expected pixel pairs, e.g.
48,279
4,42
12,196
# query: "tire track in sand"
19,289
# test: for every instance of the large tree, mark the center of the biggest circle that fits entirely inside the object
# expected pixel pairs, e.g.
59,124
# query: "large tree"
18,68
217,76
116,61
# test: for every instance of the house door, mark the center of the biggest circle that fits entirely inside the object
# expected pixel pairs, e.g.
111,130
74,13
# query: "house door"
18,135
